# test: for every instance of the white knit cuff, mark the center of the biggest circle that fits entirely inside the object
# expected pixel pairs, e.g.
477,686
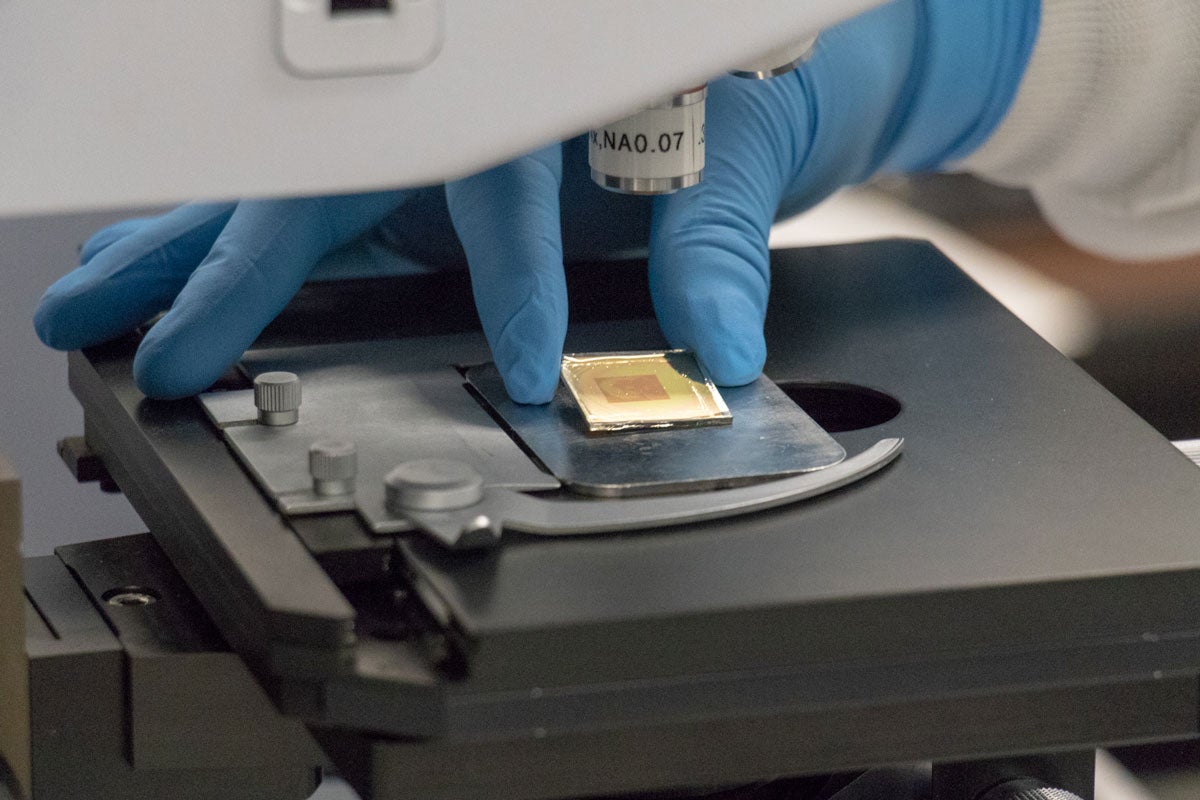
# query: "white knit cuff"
1104,126
1056,96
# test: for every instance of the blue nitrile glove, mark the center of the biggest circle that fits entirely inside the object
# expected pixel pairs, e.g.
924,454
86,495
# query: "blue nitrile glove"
912,85
225,270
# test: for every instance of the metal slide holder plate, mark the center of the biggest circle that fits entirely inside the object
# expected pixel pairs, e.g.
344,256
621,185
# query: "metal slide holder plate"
772,455
390,418
771,437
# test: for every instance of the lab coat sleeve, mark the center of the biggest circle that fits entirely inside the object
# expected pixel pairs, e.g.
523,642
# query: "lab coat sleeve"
1105,128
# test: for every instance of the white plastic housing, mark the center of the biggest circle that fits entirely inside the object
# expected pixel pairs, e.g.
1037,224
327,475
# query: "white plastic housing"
314,43
122,102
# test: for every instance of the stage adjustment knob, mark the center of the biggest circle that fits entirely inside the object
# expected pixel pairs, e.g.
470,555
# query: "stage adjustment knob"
277,398
1021,790
432,484
333,464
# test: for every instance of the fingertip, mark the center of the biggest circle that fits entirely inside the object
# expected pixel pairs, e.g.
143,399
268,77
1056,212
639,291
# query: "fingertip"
44,318
735,361
154,377
528,351
164,377
103,238
508,220
710,280
174,361
530,378
157,387
720,319
59,319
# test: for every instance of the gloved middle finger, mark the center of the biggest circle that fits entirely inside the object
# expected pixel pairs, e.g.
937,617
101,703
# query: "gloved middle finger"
509,223
131,279
259,261
109,235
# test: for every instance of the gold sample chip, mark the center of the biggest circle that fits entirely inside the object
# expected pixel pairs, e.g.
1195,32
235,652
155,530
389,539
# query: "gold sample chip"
632,391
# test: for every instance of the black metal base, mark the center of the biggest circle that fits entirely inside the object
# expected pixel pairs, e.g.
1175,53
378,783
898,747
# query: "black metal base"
145,701
141,699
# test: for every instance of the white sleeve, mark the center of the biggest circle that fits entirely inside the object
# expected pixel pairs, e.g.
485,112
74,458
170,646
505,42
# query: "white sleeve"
1105,128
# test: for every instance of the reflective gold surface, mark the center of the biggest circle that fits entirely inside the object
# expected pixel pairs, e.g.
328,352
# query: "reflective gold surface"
632,391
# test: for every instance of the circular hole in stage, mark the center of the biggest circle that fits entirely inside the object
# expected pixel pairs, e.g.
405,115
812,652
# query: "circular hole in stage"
841,407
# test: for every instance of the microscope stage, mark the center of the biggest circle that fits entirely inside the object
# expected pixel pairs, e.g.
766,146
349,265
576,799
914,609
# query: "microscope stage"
1036,537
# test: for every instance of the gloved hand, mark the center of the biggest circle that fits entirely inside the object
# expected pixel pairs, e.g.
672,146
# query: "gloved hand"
913,85
225,270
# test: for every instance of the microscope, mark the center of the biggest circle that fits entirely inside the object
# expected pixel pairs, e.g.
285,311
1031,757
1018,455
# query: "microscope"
929,553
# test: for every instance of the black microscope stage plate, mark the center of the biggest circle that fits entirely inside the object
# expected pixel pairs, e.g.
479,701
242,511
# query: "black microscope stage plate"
1034,532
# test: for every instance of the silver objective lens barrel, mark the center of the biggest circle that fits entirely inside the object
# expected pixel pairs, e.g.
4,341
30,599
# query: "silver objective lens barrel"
656,151
660,150
777,62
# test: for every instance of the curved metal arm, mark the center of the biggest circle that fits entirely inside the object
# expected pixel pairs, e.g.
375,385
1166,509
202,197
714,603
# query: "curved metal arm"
481,524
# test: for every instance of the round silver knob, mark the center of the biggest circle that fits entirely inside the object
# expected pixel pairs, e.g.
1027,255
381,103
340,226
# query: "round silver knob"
1044,794
1021,790
277,398
333,464
432,485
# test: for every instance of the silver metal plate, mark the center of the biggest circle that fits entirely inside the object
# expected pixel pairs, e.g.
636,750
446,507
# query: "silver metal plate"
771,437
391,415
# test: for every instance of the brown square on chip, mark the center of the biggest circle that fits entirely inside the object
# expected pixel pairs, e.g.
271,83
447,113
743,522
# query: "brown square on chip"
632,391
632,388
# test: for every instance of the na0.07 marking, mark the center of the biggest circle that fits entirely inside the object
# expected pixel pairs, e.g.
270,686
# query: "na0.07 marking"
640,142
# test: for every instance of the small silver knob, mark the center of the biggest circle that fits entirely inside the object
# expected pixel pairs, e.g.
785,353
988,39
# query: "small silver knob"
1022,790
1044,794
432,485
333,464
277,398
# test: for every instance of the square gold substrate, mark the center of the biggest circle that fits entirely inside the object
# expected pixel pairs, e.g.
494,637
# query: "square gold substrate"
643,390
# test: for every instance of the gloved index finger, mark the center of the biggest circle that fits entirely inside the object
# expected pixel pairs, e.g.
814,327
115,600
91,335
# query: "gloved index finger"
260,260
110,234
508,221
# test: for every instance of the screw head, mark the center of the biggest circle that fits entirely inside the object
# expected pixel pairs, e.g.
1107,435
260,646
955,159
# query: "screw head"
333,464
130,596
432,484
277,398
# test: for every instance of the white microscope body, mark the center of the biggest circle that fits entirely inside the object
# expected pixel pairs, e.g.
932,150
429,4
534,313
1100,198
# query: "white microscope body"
113,103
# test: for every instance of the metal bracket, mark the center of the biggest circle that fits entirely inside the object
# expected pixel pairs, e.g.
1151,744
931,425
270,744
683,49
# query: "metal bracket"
85,464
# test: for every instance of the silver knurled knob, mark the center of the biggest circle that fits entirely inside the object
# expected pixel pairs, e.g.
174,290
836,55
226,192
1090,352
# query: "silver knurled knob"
432,484
333,464
1044,794
1022,790
277,398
